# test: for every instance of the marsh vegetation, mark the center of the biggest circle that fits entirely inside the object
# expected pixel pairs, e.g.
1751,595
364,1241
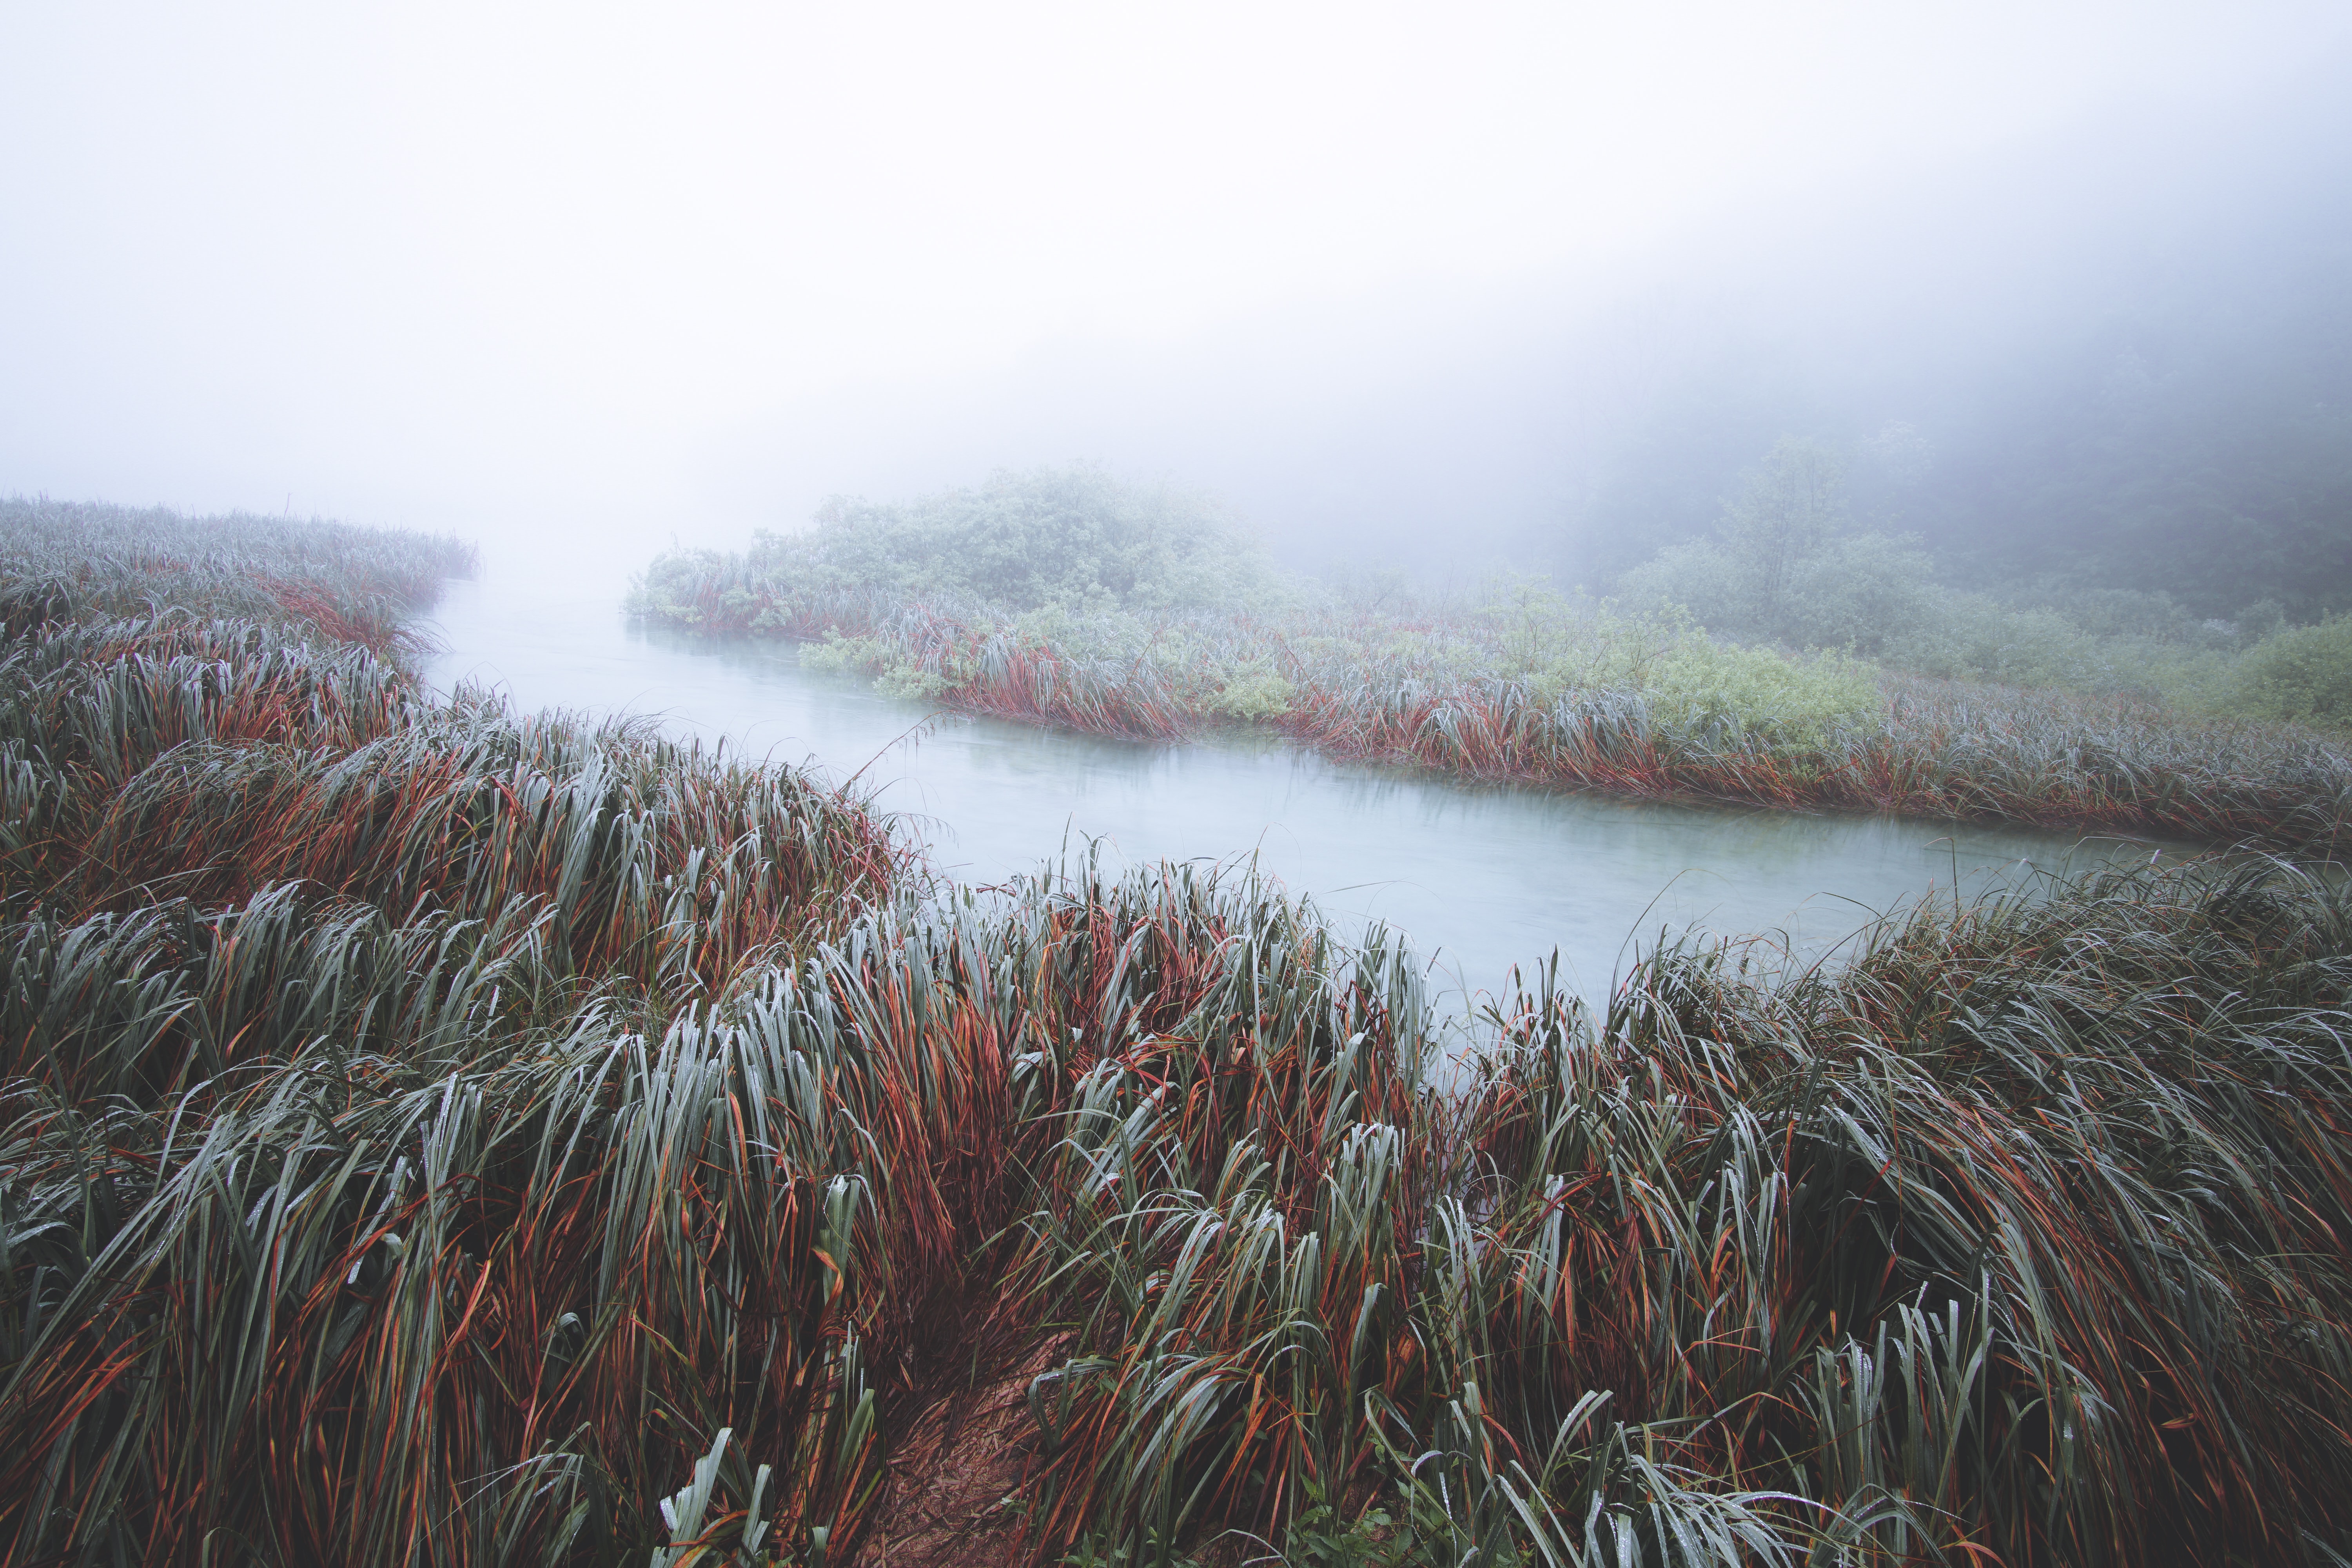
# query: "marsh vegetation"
1693,913
437,1134
1791,663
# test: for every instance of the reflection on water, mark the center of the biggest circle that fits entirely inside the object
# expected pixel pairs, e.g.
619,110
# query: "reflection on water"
1483,877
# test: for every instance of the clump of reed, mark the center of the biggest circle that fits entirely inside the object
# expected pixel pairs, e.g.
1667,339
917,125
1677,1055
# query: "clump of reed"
215,758
69,561
2020,1236
440,1257
2022,1239
278,923
448,1300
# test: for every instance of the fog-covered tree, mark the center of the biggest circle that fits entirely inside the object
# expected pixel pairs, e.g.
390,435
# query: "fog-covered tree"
1077,537
2302,674
2165,408
1785,514
1902,455
1781,566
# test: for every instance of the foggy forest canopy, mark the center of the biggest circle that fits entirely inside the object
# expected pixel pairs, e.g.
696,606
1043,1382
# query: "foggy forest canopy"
2187,429
2077,416
2114,359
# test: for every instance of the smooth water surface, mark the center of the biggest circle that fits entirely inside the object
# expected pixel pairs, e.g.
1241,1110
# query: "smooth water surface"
1481,877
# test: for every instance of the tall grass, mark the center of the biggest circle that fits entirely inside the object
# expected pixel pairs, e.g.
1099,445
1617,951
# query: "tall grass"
210,759
284,931
2019,1234
433,1136
2022,1239
66,560
441,1258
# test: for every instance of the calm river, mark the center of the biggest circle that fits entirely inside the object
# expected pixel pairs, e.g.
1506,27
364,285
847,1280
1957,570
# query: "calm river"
1482,878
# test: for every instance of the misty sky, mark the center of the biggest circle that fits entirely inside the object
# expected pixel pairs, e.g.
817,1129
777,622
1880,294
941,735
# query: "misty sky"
687,267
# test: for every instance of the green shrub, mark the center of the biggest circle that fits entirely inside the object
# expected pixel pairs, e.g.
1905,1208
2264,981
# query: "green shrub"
1699,578
1872,595
1865,593
1859,593
1690,679
1967,636
1253,692
1072,536
1792,703
2302,674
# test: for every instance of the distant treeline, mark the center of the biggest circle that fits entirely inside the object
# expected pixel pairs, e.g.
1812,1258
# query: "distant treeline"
2183,429
1789,563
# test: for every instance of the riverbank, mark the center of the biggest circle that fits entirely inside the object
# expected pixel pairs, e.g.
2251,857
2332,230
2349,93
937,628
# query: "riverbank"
1483,877
1566,699
436,1134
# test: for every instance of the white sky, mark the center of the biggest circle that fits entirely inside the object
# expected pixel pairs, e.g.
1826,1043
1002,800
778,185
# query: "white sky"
409,262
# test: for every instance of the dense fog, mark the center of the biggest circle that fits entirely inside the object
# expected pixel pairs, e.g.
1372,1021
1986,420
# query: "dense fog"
2116,351
2066,294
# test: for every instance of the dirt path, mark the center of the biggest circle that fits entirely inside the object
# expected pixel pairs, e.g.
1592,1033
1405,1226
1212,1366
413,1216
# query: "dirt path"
958,1471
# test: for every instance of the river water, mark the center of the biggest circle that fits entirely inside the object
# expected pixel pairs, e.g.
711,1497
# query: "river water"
1482,878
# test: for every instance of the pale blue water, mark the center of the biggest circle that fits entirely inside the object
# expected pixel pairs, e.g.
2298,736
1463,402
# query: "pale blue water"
1482,877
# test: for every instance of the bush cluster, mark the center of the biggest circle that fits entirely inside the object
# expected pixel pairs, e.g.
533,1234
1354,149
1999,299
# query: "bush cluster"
1073,537
2304,673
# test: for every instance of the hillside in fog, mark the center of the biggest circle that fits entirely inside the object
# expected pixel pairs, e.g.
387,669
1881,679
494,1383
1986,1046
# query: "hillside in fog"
2116,353
2154,393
